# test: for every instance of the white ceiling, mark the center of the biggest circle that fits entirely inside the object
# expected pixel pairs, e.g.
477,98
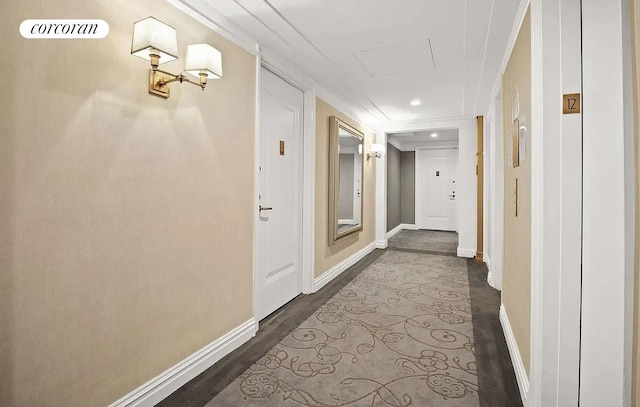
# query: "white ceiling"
378,55
410,141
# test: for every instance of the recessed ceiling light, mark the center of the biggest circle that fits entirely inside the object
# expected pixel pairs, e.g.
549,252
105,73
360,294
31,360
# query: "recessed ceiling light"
416,102
434,135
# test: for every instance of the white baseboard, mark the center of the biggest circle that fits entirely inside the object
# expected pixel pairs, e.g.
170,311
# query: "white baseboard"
157,389
382,244
487,261
394,231
516,359
469,253
336,270
399,228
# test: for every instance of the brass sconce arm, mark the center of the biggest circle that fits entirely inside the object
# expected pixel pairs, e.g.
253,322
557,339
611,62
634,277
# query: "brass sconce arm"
181,77
159,81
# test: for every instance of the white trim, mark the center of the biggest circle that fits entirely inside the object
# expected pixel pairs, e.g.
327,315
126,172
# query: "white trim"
381,195
490,273
309,191
608,206
203,12
307,87
336,270
496,197
423,145
394,231
426,124
382,244
468,253
516,358
556,202
160,387
513,36
352,110
538,31
256,184
395,142
206,13
399,228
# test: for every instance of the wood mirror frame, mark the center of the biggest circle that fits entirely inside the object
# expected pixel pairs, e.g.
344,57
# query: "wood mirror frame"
349,194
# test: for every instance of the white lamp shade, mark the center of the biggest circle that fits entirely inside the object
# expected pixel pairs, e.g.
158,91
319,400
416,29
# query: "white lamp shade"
151,33
377,148
203,58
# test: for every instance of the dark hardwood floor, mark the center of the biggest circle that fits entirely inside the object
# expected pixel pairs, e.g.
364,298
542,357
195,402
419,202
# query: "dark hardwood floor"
496,378
497,385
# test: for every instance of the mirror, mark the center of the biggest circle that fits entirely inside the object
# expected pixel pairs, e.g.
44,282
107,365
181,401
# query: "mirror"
346,169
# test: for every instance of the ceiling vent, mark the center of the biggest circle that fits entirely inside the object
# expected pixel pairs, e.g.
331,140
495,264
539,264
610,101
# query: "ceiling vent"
415,56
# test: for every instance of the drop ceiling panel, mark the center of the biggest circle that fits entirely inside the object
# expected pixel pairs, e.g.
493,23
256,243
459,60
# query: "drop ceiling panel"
397,59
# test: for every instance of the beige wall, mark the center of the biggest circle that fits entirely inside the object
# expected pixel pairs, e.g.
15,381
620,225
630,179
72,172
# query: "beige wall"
126,220
516,295
635,12
328,256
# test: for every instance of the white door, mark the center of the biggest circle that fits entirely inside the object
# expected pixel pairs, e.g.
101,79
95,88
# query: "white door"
279,221
436,172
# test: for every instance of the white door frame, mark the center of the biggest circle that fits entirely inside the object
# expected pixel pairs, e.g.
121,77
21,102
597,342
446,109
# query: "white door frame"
602,255
306,86
609,188
494,192
556,199
568,161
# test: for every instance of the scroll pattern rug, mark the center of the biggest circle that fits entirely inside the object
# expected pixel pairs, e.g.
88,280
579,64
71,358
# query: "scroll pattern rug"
399,334
431,240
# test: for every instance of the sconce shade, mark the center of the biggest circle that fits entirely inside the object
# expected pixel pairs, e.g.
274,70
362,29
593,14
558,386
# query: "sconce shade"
203,58
151,33
377,148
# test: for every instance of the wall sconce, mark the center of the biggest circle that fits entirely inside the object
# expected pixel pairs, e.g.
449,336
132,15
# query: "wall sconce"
156,42
376,151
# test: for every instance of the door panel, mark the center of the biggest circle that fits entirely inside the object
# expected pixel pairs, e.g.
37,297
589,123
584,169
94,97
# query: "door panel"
279,225
436,207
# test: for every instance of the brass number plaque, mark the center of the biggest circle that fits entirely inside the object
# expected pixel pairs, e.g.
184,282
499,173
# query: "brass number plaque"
571,103
281,147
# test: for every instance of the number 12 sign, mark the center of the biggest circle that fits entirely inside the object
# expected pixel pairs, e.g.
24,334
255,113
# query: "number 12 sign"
571,103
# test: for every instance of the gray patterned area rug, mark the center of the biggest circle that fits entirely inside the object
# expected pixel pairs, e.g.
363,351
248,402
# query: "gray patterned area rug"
399,334
431,240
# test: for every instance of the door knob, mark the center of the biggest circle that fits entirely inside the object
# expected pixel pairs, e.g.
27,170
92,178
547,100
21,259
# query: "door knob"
265,208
